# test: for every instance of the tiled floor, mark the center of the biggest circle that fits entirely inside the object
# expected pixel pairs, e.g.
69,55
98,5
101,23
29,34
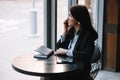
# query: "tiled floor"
108,75
15,40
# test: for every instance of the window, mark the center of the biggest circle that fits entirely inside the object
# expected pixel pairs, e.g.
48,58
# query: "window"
62,14
15,33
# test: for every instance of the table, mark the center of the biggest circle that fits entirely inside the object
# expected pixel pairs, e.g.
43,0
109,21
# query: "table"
47,68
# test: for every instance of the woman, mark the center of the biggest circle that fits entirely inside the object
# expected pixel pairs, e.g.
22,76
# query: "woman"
78,40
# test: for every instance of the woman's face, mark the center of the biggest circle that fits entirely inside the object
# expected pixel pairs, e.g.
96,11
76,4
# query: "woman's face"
71,21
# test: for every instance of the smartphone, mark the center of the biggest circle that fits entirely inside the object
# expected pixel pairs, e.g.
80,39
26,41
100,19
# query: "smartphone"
64,60
66,22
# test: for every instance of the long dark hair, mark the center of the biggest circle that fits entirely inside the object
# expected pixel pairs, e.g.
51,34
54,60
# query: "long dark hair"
81,14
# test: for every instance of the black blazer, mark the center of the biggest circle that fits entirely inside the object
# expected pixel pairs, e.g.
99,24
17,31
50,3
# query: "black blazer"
84,47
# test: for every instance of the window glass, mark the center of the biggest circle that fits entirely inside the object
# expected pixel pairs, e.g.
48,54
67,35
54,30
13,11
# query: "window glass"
16,38
62,13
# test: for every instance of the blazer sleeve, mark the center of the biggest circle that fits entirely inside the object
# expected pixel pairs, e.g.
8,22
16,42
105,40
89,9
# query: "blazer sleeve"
63,44
85,47
86,53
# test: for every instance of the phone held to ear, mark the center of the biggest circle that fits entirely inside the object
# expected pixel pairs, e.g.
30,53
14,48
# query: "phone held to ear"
66,22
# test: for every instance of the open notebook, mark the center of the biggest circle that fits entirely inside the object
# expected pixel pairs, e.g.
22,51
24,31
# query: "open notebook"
43,52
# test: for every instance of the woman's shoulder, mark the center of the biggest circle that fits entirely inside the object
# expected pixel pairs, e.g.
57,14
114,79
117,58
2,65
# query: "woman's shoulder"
93,34
90,34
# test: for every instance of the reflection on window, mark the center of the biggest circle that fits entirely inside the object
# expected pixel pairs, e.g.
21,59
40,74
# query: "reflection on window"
62,13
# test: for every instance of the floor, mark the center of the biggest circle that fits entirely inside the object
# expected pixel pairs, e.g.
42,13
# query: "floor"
108,75
16,38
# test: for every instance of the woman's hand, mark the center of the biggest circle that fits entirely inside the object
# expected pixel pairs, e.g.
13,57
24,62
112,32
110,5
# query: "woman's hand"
61,51
66,27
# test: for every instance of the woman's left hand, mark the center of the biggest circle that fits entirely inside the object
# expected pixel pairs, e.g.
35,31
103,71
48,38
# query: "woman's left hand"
61,51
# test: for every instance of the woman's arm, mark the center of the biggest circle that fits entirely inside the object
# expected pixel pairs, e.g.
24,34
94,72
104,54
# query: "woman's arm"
86,53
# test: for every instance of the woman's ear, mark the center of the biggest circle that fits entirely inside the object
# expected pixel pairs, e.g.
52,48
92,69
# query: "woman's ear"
78,23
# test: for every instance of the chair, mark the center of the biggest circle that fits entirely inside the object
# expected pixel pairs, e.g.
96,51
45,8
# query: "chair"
96,62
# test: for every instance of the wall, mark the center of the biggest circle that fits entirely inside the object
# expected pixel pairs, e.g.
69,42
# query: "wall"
111,36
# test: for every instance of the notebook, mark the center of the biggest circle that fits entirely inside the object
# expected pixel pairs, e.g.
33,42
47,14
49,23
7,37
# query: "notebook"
43,52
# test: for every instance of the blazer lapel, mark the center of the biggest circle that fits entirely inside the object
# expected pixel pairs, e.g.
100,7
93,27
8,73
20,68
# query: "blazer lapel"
77,43
81,40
